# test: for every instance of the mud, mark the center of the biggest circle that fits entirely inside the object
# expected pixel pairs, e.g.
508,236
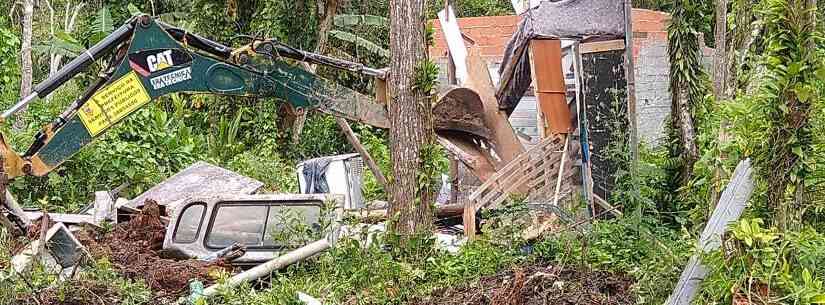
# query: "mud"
541,284
134,247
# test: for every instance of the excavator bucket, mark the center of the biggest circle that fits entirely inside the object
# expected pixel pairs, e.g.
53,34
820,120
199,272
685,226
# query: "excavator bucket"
460,110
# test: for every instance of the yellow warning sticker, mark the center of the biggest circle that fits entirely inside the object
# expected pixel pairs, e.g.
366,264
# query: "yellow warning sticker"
112,103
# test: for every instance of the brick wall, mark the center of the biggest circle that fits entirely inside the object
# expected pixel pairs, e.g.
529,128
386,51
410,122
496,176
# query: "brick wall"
652,69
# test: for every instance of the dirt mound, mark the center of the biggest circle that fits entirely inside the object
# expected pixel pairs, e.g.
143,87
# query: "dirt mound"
536,285
133,249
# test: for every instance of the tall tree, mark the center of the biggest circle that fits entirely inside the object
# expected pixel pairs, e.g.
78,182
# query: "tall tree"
26,69
685,77
720,66
326,12
720,78
69,22
410,113
789,91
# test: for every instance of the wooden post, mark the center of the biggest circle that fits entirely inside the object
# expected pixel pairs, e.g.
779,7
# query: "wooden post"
353,139
469,220
630,75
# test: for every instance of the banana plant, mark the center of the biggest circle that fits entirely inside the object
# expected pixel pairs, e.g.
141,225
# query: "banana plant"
345,33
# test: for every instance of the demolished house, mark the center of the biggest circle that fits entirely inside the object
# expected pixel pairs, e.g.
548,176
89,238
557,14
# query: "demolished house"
547,99
561,88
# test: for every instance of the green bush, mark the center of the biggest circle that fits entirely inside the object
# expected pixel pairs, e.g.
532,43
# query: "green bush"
762,264
652,254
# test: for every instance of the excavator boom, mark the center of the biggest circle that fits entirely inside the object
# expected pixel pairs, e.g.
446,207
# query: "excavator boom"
150,59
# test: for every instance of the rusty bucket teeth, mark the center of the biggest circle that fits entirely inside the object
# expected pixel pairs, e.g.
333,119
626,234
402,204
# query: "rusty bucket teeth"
460,110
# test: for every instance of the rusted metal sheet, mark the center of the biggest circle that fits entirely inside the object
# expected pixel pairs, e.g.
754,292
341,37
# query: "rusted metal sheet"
199,179
551,90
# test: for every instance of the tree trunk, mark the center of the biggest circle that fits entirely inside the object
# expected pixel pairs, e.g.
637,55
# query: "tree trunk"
26,49
687,132
410,115
326,10
70,18
720,66
720,78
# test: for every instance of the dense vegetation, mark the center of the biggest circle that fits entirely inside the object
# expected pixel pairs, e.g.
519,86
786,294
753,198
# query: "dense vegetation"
779,77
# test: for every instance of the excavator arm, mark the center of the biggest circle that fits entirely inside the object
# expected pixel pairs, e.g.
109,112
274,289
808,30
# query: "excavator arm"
150,59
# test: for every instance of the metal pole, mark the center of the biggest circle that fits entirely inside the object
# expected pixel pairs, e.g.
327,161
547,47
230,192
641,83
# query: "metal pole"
270,266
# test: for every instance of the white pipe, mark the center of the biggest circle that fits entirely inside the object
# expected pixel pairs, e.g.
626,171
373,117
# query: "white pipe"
272,265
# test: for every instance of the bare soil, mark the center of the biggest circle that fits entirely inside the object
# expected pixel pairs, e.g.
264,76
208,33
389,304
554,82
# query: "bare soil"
133,249
539,285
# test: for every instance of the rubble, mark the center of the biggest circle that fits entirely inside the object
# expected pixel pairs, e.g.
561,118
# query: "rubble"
63,252
538,284
202,226
134,249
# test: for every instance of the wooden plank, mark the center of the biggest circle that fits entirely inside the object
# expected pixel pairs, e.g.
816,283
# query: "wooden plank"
602,46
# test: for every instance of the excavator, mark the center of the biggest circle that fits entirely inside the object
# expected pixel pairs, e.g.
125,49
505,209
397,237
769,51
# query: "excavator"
147,58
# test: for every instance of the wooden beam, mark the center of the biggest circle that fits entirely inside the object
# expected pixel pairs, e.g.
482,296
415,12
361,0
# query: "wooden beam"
630,75
602,46
353,139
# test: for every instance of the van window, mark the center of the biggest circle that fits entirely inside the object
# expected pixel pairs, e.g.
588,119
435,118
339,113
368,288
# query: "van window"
243,224
189,223
291,226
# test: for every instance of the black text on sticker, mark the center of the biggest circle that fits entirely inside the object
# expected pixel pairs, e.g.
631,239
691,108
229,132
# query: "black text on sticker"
171,78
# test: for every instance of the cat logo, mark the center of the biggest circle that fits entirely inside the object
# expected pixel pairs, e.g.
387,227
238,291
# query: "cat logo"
148,62
160,61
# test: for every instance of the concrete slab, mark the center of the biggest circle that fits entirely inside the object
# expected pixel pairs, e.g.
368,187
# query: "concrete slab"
104,207
69,219
199,179
63,251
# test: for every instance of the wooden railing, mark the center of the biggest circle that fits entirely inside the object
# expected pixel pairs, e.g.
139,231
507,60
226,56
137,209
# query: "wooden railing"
534,173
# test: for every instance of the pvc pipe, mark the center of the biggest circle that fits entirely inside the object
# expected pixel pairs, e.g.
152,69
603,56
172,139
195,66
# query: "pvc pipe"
272,265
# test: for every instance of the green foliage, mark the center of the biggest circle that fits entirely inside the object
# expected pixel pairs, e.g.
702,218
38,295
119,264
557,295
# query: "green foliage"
426,77
360,42
348,20
102,25
763,264
685,54
653,255
656,5
38,283
473,8
357,273
9,70
793,83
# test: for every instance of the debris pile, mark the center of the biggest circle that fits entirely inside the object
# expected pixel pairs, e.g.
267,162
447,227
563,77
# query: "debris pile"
539,284
134,249
81,292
